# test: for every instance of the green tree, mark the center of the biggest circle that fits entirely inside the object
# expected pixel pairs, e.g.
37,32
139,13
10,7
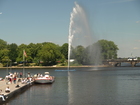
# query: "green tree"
108,49
50,54
13,52
93,54
33,50
64,50
4,56
3,44
79,54
20,52
87,56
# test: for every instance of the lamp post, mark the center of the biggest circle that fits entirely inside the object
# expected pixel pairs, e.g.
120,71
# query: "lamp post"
10,65
7,67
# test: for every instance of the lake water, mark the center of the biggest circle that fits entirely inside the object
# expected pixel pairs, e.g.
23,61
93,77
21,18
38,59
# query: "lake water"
84,86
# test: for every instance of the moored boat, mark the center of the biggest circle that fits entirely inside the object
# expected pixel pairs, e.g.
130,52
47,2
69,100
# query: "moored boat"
44,79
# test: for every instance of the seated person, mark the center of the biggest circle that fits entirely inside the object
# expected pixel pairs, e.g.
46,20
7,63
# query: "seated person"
23,81
2,95
7,90
17,86
19,80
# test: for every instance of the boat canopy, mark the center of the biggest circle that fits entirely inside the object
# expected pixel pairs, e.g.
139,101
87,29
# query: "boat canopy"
47,73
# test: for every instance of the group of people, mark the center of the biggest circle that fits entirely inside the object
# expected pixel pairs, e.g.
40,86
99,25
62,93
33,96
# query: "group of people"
4,97
15,78
26,80
12,77
41,75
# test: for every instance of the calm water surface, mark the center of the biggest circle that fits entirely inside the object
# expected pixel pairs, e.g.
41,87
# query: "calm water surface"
85,86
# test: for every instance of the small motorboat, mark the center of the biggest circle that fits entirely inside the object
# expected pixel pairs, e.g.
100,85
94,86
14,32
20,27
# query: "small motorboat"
44,79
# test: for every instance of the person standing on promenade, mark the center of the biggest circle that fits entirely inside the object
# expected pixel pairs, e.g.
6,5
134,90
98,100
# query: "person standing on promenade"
10,79
2,95
20,74
29,75
6,79
14,79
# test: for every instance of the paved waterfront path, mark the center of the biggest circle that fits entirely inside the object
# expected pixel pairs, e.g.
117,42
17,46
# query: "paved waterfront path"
12,86
13,89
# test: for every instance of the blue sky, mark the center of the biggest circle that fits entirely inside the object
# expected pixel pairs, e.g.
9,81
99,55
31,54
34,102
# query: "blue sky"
37,21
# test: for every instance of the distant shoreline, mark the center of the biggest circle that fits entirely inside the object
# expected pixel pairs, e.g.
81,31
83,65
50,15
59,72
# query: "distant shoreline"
54,66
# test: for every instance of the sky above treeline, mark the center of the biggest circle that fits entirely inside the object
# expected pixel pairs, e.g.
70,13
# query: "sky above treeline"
37,21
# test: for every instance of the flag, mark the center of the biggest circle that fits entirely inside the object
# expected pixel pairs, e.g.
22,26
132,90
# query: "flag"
24,53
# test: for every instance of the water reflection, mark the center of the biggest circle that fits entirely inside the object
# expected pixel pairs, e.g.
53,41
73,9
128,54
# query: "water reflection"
126,64
104,87
86,86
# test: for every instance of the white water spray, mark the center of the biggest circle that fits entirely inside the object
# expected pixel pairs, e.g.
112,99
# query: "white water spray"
79,27
79,30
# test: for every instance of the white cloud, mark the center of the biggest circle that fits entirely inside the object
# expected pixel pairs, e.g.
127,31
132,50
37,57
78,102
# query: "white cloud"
138,21
0,13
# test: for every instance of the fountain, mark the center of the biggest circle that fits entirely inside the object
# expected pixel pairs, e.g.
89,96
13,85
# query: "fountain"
82,40
80,34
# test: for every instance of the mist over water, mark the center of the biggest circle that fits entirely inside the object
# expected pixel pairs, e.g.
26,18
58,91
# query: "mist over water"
80,34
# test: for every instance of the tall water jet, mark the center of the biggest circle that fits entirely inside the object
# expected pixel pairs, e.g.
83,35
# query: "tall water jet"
81,38
82,48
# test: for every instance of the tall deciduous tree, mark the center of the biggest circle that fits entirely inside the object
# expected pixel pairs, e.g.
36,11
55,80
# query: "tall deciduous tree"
108,49
78,54
50,53
4,58
3,44
13,51
64,50
33,50
20,52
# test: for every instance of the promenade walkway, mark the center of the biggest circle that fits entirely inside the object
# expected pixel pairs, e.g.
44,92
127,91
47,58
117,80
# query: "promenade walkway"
12,86
13,89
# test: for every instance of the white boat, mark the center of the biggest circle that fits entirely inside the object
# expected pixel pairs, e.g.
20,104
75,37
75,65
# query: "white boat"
44,79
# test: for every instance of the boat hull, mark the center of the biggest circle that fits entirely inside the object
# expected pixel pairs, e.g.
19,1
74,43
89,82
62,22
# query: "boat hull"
44,80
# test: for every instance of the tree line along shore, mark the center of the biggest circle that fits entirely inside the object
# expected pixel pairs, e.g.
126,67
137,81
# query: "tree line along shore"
54,66
49,54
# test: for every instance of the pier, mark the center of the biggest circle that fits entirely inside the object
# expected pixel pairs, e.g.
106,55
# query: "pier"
14,91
